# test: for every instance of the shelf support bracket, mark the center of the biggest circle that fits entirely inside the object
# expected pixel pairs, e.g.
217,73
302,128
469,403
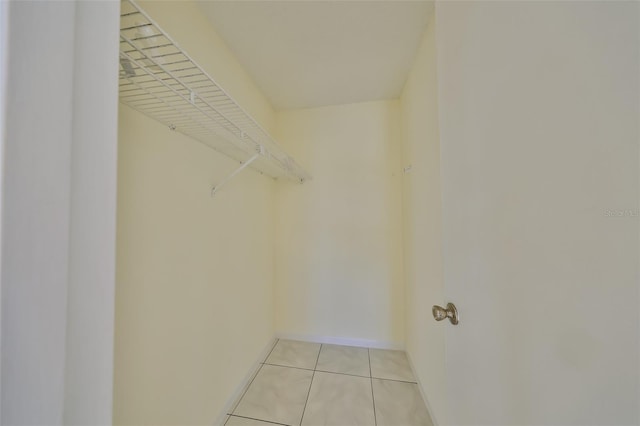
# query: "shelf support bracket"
246,164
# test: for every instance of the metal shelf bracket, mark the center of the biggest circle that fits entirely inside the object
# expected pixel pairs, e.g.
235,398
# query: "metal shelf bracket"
246,164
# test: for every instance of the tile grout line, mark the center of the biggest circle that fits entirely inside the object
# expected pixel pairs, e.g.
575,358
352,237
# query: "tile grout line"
288,366
260,420
341,374
318,358
396,380
310,384
235,406
373,398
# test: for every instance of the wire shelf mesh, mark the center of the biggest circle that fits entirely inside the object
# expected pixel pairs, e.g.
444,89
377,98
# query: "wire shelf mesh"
160,80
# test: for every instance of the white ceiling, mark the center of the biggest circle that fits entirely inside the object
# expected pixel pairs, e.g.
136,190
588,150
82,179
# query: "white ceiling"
313,53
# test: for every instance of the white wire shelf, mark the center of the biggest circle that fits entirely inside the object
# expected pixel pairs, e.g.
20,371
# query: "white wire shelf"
160,80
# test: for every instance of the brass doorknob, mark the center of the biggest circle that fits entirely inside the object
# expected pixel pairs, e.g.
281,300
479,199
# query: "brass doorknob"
440,313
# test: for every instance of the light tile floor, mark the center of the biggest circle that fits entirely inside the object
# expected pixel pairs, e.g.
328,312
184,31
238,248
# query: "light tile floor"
311,384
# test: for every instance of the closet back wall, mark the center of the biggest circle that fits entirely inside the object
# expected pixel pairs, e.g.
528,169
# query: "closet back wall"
194,296
339,236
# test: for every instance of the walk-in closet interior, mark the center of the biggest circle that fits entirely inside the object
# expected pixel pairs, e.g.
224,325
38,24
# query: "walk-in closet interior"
306,242
319,212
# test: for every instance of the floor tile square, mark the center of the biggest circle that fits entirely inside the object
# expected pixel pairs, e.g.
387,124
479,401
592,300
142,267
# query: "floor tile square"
399,403
291,353
394,365
339,400
344,359
277,394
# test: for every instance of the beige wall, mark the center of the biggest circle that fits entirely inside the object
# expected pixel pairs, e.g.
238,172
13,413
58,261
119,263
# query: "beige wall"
339,236
194,297
539,116
422,213
195,275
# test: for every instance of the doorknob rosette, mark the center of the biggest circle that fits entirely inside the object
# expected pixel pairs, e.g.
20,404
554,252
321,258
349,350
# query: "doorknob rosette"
440,313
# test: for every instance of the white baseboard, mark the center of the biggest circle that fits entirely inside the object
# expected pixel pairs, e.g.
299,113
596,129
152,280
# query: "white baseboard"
242,387
363,343
424,396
